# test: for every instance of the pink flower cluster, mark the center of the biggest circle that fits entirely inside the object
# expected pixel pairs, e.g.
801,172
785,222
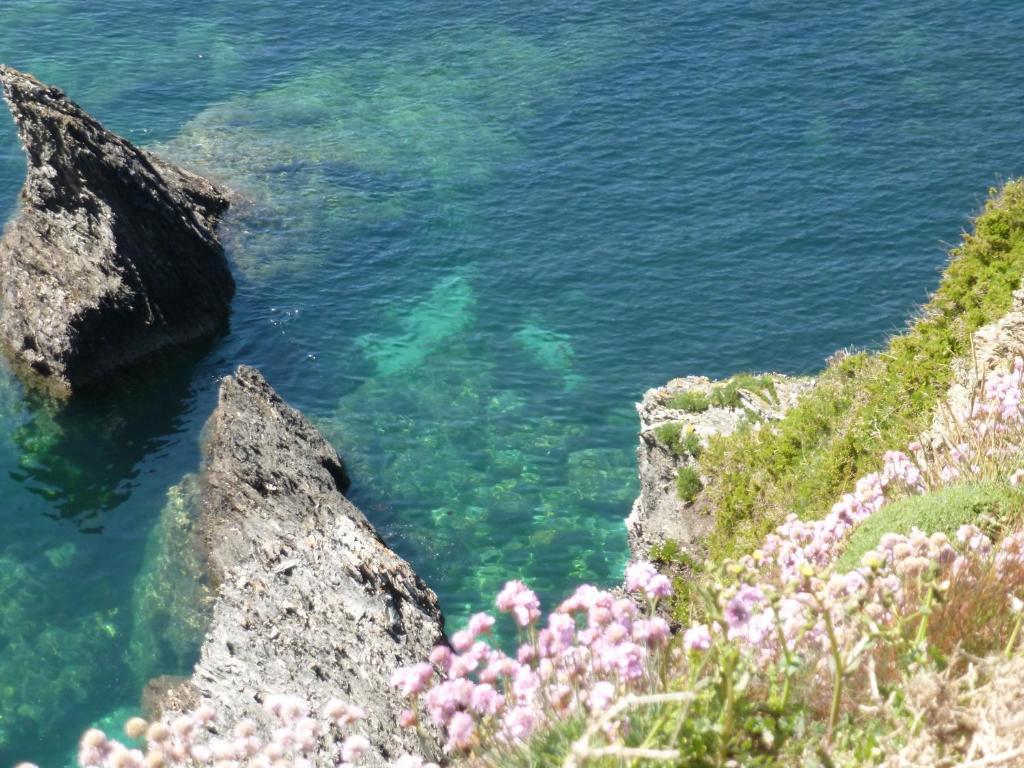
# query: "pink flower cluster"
297,739
797,544
597,646
788,584
1002,396
594,647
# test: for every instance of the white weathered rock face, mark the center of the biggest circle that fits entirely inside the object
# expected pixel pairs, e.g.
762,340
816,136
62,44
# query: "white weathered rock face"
309,599
112,255
658,513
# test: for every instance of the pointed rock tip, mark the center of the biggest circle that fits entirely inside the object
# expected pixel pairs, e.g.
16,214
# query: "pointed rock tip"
10,77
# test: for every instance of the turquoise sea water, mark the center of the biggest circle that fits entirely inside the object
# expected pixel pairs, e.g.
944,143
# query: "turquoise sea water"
470,235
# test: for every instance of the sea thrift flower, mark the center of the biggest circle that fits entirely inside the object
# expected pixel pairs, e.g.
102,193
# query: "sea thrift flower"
639,575
412,680
658,586
460,732
480,624
441,656
354,748
520,723
697,638
516,598
462,640
342,714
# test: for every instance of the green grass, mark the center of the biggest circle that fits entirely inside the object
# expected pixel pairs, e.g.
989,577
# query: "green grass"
866,403
688,484
674,436
725,395
983,504
691,402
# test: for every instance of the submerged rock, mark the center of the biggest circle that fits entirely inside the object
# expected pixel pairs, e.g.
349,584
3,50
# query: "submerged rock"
113,255
310,601
683,407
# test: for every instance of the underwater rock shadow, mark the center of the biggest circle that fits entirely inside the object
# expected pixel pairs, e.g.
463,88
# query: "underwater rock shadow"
82,454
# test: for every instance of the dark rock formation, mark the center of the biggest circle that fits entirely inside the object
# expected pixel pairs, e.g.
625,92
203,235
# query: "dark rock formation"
112,255
309,601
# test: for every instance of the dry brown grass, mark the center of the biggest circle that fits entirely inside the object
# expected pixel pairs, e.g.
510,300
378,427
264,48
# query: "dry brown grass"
969,720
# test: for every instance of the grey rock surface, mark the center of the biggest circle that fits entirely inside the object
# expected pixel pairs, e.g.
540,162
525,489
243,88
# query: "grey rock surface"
112,255
310,601
658,514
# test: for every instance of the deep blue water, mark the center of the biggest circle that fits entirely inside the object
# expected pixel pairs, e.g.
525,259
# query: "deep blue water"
470,235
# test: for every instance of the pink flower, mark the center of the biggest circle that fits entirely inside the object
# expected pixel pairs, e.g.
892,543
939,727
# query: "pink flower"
460,732
639,575
441,656
521,722
486,700
581,600
658,586
412,680
601,696
342,714
516,598
354,748
653,631
462,640
480,624
463,665
697,638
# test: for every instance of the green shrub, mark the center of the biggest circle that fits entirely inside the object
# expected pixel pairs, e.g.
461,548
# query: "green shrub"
681,443
688,484
691,402
945,510
866,403
685,570
727,395
691,444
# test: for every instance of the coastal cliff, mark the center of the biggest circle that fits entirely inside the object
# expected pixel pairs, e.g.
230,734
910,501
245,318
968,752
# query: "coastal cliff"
677,421
112,255
309,599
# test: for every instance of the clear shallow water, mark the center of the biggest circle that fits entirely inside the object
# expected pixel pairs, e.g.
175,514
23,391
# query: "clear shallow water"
472,235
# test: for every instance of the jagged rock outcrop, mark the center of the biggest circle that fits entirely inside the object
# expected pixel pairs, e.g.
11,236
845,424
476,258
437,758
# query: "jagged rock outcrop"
112,255
659,514
310,601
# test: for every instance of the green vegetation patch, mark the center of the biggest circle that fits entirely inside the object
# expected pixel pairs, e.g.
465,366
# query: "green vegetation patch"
987,505
675,436
867,403
726,395
688,484
691,402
